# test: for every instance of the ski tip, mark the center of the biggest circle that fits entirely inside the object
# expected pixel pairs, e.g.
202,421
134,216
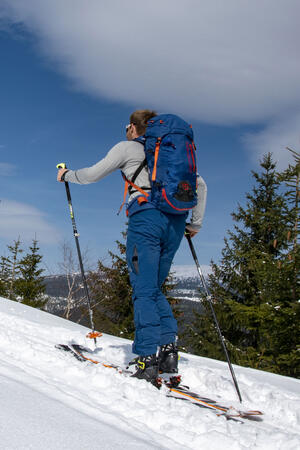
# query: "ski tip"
61,346
93,334
254,413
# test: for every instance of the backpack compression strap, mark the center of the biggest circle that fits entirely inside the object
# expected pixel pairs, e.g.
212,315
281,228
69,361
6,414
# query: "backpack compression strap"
157,146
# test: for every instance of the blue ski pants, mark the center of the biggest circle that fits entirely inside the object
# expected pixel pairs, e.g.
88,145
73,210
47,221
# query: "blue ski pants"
152,241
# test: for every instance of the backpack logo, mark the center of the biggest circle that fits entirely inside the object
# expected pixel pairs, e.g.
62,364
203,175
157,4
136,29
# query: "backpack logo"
184,192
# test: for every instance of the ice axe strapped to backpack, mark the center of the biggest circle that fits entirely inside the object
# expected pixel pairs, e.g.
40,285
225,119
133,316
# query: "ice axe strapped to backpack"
171,161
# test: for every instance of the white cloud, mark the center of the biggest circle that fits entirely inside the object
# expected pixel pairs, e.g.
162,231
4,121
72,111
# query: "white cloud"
275,138
233,61
7,169
26,221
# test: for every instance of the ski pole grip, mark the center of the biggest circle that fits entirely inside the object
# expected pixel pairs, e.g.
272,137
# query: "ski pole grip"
61,166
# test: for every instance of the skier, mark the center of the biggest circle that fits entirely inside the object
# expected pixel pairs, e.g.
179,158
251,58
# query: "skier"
153,238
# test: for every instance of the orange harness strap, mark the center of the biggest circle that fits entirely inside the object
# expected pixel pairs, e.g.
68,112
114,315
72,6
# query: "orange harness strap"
125,195
127,183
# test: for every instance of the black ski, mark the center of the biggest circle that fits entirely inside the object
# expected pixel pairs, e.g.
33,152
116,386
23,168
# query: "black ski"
173,384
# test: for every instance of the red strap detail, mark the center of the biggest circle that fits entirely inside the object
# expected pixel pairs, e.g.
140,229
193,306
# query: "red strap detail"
188,157
169,203
192,153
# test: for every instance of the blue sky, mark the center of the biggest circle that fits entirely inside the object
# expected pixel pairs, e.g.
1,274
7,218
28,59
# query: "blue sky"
65,96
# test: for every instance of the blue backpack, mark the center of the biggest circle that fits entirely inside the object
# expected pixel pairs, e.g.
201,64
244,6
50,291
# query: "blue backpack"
171,162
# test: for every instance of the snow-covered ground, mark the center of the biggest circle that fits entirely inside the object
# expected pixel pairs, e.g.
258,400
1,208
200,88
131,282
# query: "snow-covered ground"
189,271
49,400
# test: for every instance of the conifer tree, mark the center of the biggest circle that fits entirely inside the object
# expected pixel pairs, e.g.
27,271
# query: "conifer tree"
30,285
251,286
10,270
289,319
3,277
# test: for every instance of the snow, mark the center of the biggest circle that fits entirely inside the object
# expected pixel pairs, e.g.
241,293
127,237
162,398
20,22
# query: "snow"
49,400
189,271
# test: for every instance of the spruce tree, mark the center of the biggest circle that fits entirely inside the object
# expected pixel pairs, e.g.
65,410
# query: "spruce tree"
10,270
251,287
288,338
30,285
3,277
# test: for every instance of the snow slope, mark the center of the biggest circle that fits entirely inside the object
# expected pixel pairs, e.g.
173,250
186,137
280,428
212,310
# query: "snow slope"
49,400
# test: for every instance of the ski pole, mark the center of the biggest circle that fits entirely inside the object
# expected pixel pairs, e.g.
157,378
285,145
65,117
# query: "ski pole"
209,298
94,333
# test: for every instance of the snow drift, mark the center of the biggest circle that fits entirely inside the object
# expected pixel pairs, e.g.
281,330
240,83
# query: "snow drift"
49,400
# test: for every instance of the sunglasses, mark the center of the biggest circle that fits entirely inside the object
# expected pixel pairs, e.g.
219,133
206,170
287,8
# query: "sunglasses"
127,127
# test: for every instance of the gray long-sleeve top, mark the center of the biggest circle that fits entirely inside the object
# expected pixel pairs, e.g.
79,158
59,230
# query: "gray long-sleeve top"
127,156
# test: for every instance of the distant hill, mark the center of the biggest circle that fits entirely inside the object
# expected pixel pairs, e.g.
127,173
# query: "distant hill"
187,291
186,279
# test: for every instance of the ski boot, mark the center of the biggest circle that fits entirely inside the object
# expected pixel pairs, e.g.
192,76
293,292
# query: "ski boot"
168,358
147,368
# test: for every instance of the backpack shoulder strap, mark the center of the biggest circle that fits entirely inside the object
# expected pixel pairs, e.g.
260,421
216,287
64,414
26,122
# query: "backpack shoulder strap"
136,174
129,184
141,140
